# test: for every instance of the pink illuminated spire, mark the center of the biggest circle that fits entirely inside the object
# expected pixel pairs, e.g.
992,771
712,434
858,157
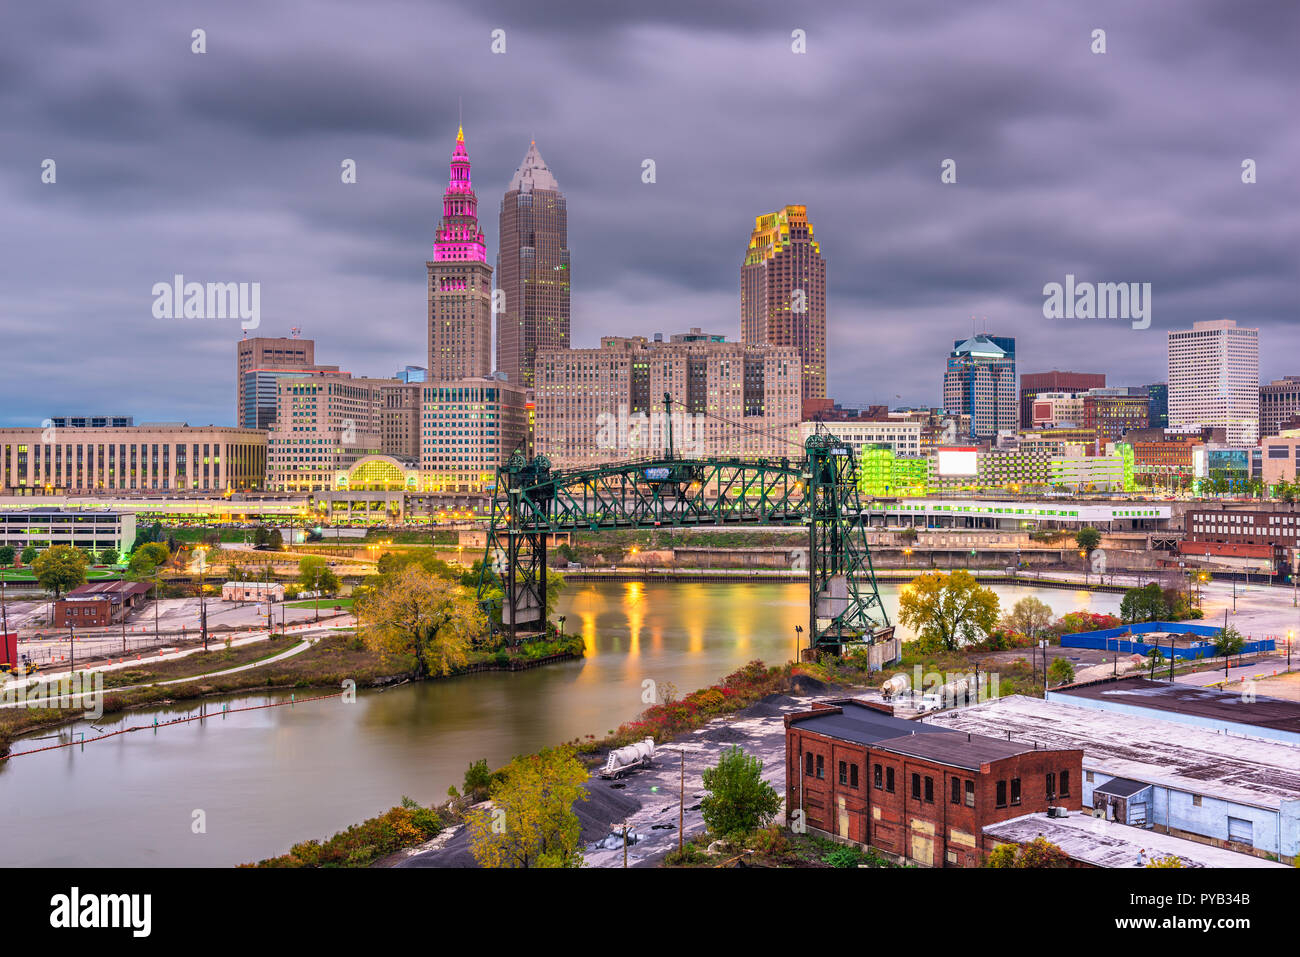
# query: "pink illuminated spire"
458,238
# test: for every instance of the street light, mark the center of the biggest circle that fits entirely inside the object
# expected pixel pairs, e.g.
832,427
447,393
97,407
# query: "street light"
798,638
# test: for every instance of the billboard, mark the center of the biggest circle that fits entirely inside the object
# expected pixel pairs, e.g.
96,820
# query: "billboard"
958,460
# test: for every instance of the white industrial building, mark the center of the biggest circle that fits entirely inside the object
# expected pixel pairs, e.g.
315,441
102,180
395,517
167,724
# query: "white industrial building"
1240,793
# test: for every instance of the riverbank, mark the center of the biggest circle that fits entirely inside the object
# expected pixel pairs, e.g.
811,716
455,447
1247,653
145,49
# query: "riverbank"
324,664
893,576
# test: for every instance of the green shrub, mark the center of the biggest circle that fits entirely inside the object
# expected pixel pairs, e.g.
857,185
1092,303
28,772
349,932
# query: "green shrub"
843,856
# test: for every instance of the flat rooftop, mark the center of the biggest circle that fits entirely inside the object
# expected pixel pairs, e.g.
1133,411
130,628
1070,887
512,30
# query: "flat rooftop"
862,725
1184,757
1276,713
955,749
1110,844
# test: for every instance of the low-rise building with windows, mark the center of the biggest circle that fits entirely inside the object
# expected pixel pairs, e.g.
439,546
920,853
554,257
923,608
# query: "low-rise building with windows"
921,793
88,528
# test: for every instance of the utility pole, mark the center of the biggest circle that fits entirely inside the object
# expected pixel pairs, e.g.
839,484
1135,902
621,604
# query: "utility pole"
4,608
681,801
72,651
203,601
155,604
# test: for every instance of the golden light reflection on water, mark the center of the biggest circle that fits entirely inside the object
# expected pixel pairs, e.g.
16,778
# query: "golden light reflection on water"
634,604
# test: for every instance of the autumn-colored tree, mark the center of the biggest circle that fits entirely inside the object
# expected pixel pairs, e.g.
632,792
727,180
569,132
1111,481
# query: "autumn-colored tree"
1029,616
1040,852
1165,860
531,822
60,568
432,619
947,610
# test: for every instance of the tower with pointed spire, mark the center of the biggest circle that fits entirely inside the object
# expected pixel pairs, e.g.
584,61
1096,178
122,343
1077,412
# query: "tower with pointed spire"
532,269
460,281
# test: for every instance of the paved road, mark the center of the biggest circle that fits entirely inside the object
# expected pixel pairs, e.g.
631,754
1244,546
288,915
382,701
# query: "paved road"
341,621
1266,668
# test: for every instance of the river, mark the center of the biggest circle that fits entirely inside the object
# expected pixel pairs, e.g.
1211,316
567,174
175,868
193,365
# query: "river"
261,780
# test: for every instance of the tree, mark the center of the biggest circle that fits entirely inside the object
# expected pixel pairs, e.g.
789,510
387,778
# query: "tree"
1040,852
60,568
532,822
431,619
739,801
1088,538
316,576
1029,616
29,554
478,780
1060,671
108,555
146,559
947,610
1146,603
7,554
1228,642
267,537
908,534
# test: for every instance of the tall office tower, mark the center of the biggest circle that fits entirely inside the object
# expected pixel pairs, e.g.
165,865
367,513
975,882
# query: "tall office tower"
468,428
606,404
460,282
1033,384
783,292
1279,405
328,421
266,354
1214,379
980,381
1158,392
532,270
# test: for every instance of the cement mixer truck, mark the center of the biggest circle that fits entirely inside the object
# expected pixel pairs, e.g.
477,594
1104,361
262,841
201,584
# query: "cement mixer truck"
623,760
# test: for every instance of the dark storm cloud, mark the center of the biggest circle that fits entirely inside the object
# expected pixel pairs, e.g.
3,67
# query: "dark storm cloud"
225,167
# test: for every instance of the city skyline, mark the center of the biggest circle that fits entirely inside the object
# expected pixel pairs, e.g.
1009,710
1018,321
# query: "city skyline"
249,190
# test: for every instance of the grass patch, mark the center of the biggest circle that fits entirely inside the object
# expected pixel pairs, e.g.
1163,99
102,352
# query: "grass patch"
326,604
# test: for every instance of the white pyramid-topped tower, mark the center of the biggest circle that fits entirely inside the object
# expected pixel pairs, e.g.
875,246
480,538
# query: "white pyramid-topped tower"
533,173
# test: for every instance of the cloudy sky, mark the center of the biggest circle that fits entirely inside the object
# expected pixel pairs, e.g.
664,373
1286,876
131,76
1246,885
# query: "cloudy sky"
1117,167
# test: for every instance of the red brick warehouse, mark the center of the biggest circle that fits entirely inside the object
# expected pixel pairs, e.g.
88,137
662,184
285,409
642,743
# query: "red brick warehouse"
913,790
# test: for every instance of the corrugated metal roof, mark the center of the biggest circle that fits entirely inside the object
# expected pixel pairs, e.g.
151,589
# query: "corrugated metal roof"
1262,712
1247,770
1110,844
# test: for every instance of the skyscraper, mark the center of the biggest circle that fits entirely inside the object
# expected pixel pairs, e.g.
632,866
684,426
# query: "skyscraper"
783,292
980,381
532,269
1035,383
259,363
460,282
1214,379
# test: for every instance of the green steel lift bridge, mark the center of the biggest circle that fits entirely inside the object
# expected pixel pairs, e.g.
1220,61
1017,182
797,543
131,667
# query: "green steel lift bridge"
820,492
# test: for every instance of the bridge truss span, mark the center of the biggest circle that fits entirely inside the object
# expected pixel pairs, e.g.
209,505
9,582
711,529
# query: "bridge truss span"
818,492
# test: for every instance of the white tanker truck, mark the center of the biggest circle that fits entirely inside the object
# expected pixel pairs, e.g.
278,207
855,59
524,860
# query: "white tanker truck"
622,760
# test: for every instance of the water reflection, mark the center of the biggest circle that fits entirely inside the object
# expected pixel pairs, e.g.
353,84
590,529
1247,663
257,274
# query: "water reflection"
271,777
